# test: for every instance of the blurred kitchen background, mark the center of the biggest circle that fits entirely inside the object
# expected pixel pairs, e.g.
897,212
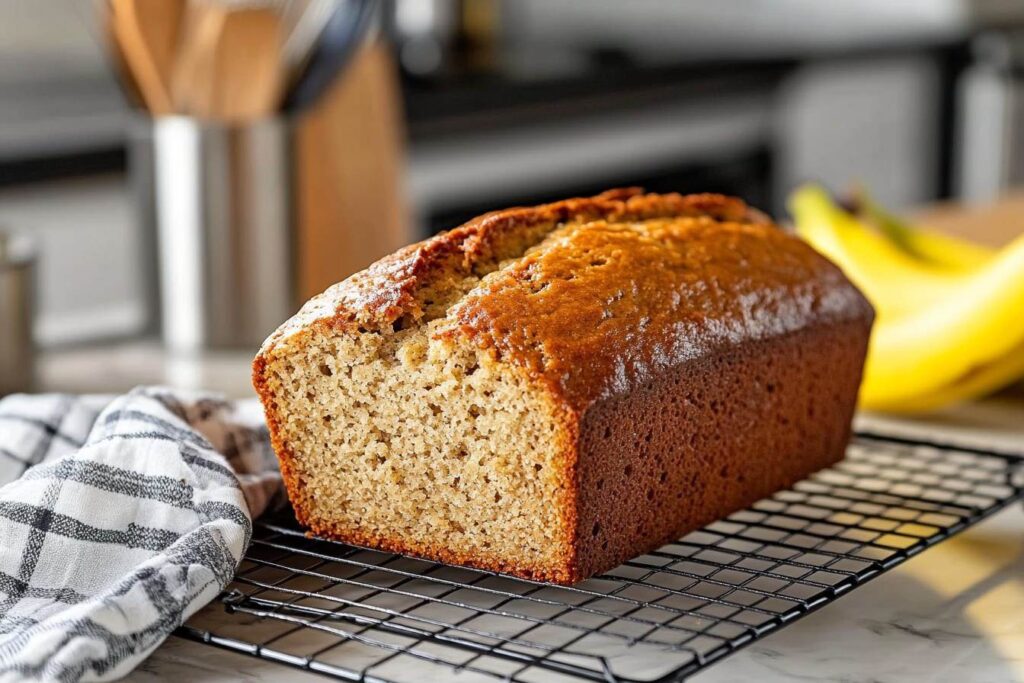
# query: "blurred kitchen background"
449,108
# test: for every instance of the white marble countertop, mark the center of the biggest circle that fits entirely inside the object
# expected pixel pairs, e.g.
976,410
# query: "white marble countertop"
953,613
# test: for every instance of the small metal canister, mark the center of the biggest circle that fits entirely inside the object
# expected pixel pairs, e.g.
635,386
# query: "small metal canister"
17,292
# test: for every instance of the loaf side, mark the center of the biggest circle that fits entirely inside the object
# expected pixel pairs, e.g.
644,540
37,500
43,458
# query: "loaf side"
712,436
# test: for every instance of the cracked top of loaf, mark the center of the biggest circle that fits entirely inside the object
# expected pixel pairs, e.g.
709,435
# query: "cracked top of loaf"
596,296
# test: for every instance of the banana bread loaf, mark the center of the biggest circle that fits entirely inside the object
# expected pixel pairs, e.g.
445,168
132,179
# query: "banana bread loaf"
550,391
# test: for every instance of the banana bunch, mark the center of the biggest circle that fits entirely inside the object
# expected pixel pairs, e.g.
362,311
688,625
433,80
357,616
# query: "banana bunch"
950,314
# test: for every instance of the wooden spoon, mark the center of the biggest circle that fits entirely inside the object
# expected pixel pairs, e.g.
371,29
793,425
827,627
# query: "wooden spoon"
193,78
248,65
147,33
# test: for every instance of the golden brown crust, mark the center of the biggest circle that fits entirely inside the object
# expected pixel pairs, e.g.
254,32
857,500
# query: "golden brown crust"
284,452
386,291
598,315
606,307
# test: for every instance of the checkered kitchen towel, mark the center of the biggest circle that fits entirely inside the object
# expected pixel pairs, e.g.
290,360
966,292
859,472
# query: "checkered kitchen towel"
119,518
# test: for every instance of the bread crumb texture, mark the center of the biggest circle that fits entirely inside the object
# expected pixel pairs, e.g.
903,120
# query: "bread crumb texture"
421,444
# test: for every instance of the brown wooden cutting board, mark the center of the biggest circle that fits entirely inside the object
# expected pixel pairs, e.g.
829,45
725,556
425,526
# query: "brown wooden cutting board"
350,156
993,224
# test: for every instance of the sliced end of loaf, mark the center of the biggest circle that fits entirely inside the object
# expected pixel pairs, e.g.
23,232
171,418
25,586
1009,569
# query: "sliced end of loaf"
400,438
423,446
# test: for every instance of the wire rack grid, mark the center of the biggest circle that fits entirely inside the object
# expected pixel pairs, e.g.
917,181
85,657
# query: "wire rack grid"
358,614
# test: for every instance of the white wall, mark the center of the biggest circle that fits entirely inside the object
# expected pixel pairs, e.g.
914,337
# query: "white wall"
872,120
57,94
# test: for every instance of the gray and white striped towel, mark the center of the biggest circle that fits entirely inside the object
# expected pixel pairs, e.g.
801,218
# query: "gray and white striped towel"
119,518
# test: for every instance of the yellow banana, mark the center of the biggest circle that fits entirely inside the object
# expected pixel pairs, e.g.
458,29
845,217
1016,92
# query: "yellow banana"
930,247
979,322
894,282
978,382
950,320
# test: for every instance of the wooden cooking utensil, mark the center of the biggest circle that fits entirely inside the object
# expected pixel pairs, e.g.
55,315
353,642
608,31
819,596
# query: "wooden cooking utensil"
247,66
192,81
147,33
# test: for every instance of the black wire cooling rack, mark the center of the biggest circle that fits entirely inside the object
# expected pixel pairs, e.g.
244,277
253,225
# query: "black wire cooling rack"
358,614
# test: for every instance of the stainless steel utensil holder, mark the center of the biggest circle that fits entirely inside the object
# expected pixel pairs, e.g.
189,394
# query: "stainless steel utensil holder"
224,237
